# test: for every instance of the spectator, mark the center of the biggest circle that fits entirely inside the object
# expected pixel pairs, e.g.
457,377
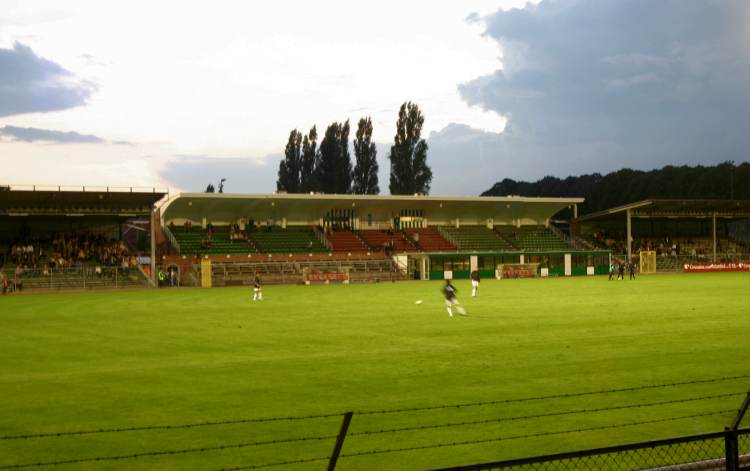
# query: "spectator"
17,281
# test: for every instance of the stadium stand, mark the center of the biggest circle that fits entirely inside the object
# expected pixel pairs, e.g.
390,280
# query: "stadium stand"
295,239
532,238
691,230
429,239
56,238
395,240
347,229
345,241
194,241
679,246
475,238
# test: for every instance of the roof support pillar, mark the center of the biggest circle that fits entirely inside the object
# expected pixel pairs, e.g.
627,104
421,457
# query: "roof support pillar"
714,235
153,246
629,235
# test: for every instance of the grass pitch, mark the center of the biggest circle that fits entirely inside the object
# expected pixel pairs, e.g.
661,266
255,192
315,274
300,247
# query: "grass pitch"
86,361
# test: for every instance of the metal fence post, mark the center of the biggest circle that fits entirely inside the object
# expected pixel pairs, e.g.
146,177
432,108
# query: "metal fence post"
731,443
731,449
741,412
340,441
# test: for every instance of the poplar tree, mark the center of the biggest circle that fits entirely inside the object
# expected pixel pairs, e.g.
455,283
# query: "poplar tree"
289,168
410,173
310,157
365,176
334,169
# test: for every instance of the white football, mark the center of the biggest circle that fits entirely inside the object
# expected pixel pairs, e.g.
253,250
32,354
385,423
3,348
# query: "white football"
418,301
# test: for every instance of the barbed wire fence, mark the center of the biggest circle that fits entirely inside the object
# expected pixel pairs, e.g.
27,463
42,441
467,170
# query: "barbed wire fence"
731,445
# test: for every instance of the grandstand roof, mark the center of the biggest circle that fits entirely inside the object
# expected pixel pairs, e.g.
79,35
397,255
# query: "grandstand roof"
78,201
676,208
229,207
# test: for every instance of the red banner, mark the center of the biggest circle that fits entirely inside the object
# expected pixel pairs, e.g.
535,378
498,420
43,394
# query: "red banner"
517,271
716,267
336,276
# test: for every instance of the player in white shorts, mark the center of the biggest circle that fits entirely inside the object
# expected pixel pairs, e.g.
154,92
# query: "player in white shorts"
449,291
257,289
474,283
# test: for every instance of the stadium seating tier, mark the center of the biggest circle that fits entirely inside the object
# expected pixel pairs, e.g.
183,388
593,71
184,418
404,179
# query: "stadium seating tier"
345,241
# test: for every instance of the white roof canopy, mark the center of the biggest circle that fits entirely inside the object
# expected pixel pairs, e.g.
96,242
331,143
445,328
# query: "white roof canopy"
303,208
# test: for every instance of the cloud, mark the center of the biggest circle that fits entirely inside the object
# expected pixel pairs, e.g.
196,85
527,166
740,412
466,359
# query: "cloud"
16,133
32,84
595,85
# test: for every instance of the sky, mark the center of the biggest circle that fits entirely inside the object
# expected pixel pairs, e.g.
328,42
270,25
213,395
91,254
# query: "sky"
180,94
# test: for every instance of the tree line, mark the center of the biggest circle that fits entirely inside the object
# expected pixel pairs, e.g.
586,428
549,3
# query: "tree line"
722,181
327,167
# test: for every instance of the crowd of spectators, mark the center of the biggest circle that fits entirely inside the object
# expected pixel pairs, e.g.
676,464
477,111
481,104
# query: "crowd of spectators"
664,246
236,232
65,250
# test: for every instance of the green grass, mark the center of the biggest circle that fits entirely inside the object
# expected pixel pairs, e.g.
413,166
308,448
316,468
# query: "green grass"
83,361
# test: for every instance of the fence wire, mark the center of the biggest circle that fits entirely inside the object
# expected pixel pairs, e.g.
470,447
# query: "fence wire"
551,396
545,415
744,446
705,452
531,435
168,426
277,463
168,452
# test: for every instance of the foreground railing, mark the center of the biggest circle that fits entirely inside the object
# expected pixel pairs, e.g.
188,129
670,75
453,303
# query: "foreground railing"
394,438
86,277
706,452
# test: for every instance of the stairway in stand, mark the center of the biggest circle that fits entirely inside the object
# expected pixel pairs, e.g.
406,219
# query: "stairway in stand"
345,241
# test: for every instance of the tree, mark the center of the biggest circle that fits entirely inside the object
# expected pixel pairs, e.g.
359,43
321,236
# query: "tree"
410,173
210,188
344,174
635,185
365,175
308,181
289,168
334,169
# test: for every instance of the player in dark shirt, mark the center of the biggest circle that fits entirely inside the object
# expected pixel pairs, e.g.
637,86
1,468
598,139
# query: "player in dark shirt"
621,271
631,270
474,283
449,291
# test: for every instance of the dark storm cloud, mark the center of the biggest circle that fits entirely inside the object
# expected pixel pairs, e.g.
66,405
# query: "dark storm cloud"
31,84
15,133
595,85
47,135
